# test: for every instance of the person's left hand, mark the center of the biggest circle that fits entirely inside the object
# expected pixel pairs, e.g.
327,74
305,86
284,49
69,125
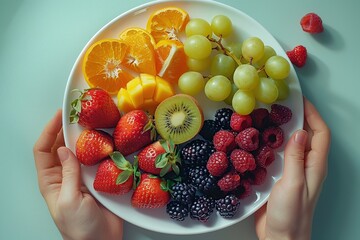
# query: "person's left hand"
74,210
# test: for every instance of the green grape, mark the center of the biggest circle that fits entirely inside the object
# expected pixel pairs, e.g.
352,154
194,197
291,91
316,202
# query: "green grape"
283,89
191,83
246,77
221,26
218,88
222,64
197,47
253,49
243,102
268,52
198,65
198,26
235,48
266,91
277,67
228,100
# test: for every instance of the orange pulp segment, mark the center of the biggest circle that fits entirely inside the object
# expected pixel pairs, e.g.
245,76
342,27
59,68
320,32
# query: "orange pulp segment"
102,65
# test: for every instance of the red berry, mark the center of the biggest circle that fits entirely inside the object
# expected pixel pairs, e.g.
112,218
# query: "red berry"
239,122
280,114
217,164
224,141
242,160
311,23
259,175
260,118
244,190
298,56
273,137
248,139
229,181
264,156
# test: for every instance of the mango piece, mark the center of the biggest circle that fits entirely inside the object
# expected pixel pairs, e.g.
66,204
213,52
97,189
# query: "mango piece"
135,91
163,90
124,102
150,105
148,83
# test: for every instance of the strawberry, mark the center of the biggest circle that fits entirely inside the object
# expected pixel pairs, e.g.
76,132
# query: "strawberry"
159,158
93,146
133,132
115,175
298,55
150,193
94,108
311,23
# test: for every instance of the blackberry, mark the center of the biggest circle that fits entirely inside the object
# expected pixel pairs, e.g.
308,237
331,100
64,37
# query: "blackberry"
223,116
183,193
201,209
197,152
201,179
209,129
227,206
177,210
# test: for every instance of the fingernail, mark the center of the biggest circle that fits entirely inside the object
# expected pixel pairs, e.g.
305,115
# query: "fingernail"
301,137
63,154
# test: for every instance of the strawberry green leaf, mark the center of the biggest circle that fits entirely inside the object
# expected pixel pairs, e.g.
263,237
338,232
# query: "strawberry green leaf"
161,161
165,169
176,169
123,177
165,145
120,161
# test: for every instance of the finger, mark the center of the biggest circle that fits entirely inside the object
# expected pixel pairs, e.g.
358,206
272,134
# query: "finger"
42,150
294,157
260,221
71,180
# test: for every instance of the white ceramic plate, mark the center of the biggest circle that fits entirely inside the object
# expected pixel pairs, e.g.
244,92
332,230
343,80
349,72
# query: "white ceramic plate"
158,220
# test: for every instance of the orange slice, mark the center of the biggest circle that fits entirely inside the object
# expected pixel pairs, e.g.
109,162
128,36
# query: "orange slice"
140,56
170,60
102,65
167,23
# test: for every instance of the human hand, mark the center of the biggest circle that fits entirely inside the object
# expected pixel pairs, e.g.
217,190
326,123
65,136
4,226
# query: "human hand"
74,210
289,211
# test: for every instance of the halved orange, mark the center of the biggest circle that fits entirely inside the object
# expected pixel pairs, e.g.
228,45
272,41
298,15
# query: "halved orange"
167,23
102,65
170,60
141,54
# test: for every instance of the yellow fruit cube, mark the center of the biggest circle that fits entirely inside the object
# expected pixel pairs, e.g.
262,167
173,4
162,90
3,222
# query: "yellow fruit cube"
135,91
163,90
150,105
148,83
124,102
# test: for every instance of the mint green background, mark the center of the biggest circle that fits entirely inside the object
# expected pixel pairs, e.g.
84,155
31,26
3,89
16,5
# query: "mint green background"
40,41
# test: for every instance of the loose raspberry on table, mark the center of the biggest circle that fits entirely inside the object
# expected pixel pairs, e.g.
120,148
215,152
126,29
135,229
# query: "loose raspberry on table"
312,23
298,55
273,137
229,182
239,122
217,164
242,160
209,129
248,139
264,156
223,116
224,141
280,114
260,118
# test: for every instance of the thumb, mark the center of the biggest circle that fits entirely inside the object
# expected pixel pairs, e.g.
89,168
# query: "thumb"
294,156
71,181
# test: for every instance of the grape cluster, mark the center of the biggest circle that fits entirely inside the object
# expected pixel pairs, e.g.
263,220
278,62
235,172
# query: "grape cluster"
239,73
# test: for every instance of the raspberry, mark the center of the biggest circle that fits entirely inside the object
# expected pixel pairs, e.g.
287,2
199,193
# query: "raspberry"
244,190
239,122
259,175
228,206
223,117
209,129
229,181
264,156
273,137
280,114
224,141
260,118
197,152
248,139
217,163
177,210
242,160
298,55
311,23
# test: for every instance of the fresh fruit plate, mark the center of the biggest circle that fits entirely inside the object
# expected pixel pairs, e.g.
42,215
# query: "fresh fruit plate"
243,86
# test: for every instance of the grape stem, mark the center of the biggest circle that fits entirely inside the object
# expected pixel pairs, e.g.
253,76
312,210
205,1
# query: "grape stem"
220,47
262,68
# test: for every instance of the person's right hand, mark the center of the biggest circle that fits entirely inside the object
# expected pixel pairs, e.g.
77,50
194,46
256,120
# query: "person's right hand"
290,208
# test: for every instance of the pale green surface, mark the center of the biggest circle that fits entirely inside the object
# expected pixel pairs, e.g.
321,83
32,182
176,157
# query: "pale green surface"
40,41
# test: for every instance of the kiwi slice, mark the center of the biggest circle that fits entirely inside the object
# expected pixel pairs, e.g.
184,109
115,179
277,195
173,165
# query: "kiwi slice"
179,118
